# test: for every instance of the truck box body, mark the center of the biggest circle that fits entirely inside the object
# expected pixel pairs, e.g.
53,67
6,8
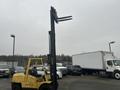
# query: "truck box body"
92,60
99,62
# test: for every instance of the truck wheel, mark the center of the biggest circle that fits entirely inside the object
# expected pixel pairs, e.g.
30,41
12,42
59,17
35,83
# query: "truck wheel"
45,87
16,86
117,75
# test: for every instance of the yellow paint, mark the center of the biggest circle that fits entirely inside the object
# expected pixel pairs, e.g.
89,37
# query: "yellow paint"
29,81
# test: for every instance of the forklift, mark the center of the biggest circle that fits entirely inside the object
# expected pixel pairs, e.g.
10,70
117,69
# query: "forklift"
30,80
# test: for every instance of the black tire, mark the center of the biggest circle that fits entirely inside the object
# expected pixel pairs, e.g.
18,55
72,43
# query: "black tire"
16,86
117,75
45,87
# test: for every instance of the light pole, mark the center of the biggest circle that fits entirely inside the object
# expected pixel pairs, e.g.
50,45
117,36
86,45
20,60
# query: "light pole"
13,36
112,42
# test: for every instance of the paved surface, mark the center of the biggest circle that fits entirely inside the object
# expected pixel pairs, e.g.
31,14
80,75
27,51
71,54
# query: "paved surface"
88,83
5,84
77,83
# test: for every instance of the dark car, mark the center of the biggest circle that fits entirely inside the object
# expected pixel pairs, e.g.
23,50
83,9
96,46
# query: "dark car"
74,70
4,71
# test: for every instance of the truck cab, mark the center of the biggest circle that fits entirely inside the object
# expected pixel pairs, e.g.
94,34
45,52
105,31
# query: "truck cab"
113,66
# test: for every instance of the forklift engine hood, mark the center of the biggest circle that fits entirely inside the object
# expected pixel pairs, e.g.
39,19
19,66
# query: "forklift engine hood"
18,77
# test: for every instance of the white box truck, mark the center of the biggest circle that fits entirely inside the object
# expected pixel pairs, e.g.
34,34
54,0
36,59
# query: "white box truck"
98,62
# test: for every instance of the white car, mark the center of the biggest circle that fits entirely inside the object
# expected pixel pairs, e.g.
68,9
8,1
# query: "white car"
19,69
41,72
62,69
59,74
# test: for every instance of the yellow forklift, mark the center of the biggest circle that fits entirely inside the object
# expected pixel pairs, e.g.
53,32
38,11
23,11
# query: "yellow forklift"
31,80
26,80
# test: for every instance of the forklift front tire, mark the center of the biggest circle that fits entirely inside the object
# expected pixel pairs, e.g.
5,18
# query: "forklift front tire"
45,87
16,86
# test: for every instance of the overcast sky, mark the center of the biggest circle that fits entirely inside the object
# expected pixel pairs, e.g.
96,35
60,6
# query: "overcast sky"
95,23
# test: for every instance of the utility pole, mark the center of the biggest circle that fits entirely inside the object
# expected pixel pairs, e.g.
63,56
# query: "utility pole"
52,46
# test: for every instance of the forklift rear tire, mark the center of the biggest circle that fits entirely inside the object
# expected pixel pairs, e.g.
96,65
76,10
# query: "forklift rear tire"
16,86
45,87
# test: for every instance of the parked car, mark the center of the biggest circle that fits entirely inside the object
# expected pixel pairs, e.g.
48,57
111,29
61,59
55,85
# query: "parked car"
19,69
63,70
59,73
41,72
74,70
4,71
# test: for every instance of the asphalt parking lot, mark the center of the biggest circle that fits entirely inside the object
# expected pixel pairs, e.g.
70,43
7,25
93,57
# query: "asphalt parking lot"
77,83
88,83
5,84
